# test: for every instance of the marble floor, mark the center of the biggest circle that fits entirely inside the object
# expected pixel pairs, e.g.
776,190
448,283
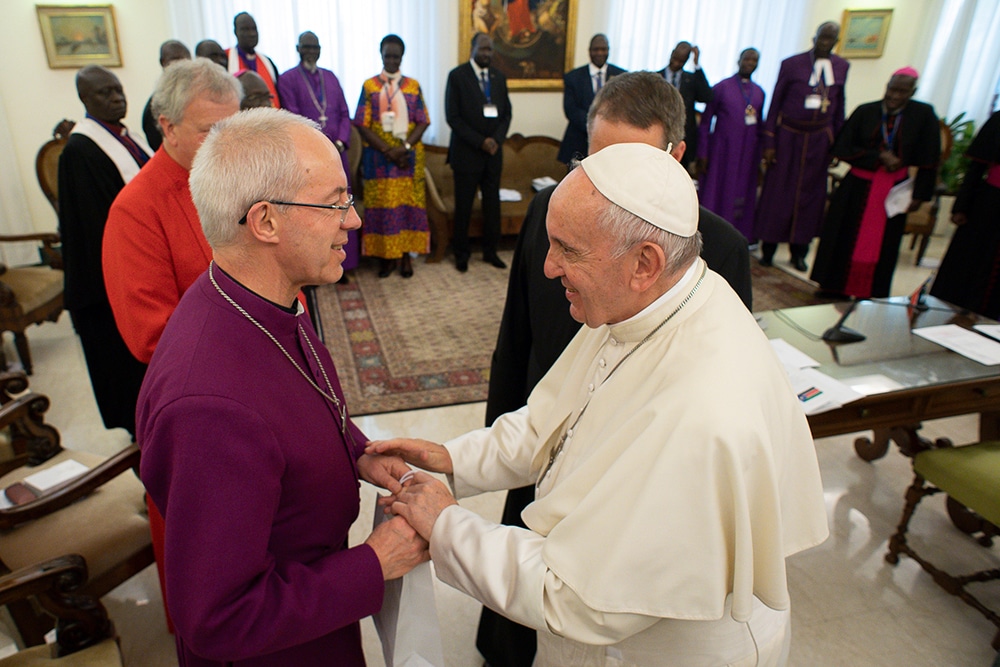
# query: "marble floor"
849,607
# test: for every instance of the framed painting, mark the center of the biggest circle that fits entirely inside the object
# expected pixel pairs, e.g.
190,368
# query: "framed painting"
80,35
863,33
532,39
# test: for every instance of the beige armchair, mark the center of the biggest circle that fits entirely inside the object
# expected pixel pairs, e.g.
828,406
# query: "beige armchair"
100,515
84,634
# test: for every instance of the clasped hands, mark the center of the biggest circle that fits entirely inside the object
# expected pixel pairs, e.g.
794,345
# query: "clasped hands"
417,501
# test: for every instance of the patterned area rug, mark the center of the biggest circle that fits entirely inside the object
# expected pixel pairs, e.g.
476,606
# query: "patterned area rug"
427,340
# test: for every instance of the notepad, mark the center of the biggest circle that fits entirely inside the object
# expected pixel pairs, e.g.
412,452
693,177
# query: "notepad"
57,474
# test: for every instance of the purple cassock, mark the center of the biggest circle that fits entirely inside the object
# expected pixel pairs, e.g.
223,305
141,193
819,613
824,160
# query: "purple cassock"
258,486
729,186
801,125
319,97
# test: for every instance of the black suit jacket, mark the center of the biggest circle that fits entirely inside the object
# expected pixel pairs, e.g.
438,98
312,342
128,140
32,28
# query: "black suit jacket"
536,325
694,88
463,104
578,94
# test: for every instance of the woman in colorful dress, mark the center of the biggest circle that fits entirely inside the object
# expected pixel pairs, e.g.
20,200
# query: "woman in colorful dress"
391,118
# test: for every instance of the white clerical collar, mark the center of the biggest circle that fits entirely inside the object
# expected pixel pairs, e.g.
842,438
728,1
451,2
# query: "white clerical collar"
681,285
822,68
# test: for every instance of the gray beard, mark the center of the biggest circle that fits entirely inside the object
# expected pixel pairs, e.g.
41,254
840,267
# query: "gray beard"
310,67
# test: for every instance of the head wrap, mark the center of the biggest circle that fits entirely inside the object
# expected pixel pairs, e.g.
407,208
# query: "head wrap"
907,71
648,182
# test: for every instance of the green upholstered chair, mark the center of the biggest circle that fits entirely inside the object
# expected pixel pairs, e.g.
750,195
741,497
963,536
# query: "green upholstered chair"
84,634
970,475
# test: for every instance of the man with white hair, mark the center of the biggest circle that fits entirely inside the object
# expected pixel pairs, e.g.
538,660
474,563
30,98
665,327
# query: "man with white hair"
663,513
259,488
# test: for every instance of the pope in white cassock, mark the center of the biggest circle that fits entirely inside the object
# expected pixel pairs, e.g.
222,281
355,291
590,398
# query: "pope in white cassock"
674,468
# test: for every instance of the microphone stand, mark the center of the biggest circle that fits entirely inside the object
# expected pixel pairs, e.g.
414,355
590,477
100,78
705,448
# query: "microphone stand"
838,333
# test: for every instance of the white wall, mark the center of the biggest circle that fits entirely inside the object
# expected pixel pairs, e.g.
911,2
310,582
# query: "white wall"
35,98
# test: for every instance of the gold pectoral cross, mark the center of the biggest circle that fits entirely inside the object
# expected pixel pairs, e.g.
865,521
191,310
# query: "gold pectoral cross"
824,105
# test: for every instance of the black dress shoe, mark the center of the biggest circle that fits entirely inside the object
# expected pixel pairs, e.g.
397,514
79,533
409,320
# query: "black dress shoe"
386,267
495,261
799,263
462,265
766,261
406,267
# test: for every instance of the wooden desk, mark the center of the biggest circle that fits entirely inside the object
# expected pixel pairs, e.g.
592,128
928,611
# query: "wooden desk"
936,382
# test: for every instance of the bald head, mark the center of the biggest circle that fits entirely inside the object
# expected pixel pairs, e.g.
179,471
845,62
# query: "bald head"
101,93
827,36
209,48
172,50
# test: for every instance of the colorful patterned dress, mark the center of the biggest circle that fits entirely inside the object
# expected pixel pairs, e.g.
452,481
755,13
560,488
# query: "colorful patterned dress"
395,220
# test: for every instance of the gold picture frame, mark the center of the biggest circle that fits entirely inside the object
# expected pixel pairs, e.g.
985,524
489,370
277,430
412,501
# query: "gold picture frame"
863,33
532,39
79,35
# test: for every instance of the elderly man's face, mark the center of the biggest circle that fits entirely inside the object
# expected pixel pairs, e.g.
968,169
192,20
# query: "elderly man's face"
102,95
313,239
579,254
185,138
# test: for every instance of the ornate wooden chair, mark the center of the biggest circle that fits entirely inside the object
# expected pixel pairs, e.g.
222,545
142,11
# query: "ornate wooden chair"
100,515
921,222
84,634
969,475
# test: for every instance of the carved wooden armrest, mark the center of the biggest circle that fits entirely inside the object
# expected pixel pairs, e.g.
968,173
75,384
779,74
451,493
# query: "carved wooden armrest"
11,384
433,196
69,492
51,245
82,620
30,436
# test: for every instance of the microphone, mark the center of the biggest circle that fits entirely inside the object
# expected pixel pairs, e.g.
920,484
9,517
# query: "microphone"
838,333
917,299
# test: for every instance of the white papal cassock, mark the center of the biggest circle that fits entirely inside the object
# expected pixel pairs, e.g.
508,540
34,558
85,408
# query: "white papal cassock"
659,534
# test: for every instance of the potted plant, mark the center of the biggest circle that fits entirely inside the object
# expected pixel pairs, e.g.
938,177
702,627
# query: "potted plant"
953,168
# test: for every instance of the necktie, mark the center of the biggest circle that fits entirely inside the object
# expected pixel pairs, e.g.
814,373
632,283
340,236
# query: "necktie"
597,78
484,82
677,80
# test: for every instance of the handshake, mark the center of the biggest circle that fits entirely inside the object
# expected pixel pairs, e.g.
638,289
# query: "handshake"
416,498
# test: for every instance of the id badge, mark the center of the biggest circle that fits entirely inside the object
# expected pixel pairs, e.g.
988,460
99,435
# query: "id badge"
490,111
812,101
750,118
388,119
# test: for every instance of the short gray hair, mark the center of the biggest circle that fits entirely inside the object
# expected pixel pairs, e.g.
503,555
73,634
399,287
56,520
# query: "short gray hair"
642,100
628,230
184,80
246,158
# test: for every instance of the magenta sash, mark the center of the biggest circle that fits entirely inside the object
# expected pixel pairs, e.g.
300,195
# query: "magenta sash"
868,246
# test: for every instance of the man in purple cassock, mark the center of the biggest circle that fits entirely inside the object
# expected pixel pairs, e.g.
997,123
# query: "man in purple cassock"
729,152
315,92
247,447
807,112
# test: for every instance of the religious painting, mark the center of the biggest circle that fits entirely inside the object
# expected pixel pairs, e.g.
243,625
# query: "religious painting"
863,32
79,36
532,39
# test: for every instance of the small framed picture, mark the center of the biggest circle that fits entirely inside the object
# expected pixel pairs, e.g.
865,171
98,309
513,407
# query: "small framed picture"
79,35
863,33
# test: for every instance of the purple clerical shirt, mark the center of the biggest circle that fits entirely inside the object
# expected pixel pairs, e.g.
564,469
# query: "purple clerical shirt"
258,487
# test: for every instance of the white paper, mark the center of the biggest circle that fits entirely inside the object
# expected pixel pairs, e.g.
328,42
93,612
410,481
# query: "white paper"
790,356
542,182
991,330
872,384
57,474
407,623
506,194
818,392
899,198
967,343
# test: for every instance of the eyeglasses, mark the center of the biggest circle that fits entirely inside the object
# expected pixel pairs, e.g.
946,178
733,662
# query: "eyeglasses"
343,208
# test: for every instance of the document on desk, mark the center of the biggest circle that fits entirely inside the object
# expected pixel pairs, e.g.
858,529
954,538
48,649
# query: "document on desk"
991,330
818,392
967,343
791,357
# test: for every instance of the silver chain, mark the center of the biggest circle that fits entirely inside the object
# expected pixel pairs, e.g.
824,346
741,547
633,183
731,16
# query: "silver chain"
332,396
562,439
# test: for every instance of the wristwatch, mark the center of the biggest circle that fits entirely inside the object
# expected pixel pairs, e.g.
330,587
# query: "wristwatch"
407,146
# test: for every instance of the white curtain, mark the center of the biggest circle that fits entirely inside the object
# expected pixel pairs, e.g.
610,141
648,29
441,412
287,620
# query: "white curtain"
643,33
14,215
963,61
349,33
